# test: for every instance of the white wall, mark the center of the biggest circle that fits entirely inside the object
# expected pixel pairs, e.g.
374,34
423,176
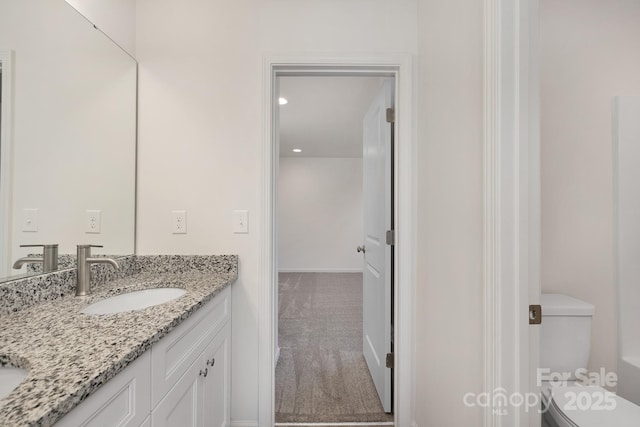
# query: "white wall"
590,52
117,18
320,214
200,125
449,334
74,101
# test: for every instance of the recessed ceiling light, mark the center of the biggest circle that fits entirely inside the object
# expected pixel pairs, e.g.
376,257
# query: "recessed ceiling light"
297,150
282,101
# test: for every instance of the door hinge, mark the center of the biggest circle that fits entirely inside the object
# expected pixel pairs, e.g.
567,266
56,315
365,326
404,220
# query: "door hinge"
391,115
391,237
389,360
535,314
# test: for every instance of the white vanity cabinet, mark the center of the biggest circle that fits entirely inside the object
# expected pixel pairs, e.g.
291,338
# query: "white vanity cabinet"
184,380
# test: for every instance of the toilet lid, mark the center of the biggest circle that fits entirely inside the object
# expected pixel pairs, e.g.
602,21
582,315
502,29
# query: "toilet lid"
592,406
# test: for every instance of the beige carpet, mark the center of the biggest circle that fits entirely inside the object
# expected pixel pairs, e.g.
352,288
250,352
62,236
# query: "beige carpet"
321,375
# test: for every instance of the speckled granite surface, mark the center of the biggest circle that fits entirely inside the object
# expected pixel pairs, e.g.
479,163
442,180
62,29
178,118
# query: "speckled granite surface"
70,354
27,291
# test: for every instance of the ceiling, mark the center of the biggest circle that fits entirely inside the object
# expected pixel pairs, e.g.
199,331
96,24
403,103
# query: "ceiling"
324,114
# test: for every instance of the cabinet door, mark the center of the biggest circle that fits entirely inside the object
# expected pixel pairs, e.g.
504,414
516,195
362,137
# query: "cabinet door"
122,401
216,387
175,353
201,398
181,406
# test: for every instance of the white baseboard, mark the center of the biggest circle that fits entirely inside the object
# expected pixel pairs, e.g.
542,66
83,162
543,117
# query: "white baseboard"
244,424
319,270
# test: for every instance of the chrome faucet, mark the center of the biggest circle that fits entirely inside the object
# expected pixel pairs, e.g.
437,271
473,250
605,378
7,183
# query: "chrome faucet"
49,259
83,285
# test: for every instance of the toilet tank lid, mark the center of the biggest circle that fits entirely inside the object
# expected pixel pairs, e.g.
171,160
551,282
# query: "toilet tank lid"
564,305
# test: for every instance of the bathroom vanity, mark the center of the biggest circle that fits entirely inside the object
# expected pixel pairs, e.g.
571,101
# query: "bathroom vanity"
182,380
164,365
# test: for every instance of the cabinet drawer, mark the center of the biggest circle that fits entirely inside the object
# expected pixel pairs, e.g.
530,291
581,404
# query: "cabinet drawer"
172,355
122,401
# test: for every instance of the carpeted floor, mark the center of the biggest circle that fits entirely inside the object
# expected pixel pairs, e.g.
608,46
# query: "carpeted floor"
321,375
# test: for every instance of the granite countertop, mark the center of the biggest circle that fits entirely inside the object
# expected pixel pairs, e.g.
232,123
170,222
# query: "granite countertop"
69,355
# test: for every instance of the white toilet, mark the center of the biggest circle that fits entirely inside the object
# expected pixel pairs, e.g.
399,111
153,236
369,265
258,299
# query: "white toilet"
565,340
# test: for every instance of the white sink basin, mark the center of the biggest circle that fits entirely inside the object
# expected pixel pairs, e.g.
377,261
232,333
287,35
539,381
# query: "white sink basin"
134,301
10,378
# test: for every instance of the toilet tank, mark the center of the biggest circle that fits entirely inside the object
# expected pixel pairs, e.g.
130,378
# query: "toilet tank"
565,334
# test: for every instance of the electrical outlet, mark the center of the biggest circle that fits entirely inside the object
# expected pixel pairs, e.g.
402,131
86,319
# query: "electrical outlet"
30,220
94,218
179,222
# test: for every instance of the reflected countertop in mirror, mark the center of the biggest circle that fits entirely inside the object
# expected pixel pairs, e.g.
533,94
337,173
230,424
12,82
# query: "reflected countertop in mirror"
69,128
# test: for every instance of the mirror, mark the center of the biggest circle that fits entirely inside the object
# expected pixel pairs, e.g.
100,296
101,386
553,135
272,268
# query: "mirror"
67,134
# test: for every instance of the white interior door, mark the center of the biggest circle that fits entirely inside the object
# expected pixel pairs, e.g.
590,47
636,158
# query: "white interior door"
378,218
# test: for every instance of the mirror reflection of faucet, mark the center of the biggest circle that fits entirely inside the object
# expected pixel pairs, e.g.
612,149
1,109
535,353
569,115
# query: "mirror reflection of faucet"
49,259
83,284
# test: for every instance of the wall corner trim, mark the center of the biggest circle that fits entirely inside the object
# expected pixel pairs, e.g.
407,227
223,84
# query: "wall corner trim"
6,156
511,205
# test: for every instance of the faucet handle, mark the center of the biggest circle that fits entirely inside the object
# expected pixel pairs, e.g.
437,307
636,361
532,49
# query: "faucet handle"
54,245
90,246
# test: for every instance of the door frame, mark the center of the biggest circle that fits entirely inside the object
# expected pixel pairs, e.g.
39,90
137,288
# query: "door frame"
511,186
6,145
400,67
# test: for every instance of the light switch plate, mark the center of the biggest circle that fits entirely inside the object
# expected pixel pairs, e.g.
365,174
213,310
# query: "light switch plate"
30,220
240,221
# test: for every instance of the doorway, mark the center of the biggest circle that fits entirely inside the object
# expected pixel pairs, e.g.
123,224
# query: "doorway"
400,67
334,312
